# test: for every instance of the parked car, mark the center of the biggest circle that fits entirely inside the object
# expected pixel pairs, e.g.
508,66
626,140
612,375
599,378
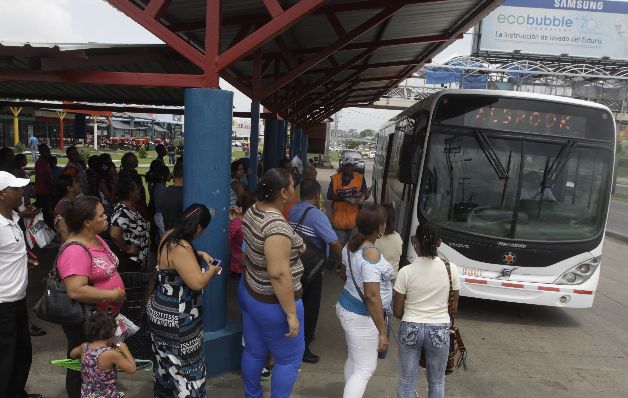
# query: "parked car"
354,155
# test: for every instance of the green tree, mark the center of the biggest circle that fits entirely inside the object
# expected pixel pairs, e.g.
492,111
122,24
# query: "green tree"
352,144
622,147
178,144
367,133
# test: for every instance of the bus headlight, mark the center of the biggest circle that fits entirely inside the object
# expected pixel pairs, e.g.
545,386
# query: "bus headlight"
580,273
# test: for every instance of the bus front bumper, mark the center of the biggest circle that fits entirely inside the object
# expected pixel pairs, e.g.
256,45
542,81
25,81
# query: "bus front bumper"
569,296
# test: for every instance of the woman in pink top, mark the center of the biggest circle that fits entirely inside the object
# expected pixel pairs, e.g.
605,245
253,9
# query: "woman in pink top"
85,219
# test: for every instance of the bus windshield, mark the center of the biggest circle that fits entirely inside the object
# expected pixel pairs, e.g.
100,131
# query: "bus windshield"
507,186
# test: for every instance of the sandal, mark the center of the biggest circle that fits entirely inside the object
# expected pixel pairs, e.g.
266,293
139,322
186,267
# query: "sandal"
36,331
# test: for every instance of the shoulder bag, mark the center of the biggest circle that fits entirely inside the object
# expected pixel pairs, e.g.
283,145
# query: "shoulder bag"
457,351
54,305
387,313
313,258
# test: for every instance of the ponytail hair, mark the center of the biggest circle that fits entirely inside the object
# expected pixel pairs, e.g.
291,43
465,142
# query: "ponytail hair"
428,238
368,220
186,226
271,184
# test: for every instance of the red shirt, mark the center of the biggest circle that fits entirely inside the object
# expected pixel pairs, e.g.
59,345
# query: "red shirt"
43,177
235,245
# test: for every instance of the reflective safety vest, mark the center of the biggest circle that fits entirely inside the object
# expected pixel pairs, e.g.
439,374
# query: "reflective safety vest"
344,213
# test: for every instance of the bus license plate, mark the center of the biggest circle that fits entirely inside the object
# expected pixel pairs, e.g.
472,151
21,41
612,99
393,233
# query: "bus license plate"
472,272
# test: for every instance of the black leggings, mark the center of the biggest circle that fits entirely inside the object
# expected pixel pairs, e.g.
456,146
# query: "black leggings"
76,337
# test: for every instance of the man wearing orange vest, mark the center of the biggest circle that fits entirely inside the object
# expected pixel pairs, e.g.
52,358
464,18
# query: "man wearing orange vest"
346,190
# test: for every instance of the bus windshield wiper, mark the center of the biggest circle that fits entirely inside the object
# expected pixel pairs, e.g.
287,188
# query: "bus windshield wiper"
551,174
491,156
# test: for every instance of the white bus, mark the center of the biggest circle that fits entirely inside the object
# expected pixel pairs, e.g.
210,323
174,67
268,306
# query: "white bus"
519,184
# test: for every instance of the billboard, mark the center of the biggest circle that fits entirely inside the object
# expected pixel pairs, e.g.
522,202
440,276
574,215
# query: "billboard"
578,28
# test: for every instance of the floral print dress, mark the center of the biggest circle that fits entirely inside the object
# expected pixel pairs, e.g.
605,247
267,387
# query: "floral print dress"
97,382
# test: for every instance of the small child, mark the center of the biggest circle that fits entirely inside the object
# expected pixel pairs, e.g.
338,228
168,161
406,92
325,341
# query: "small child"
100,359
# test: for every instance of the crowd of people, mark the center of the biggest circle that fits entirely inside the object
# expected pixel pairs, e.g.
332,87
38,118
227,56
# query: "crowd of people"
281,241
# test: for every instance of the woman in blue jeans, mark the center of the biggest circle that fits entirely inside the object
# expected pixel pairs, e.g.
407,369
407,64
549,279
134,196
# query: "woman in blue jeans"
422,303
270,290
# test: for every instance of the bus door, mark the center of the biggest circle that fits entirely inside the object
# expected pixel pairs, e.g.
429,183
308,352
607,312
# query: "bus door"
390,139
412,146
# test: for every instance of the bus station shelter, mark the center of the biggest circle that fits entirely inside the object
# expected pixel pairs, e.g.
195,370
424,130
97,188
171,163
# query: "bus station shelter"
301,60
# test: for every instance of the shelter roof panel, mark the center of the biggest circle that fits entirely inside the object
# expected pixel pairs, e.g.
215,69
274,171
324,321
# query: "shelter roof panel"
406,52
382,72
426,19
376,83
92,93
312,61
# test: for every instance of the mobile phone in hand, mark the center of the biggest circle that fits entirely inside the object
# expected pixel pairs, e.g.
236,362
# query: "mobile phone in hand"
216,263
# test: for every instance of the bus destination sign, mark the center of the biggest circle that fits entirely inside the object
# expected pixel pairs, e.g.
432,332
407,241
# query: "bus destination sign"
495,118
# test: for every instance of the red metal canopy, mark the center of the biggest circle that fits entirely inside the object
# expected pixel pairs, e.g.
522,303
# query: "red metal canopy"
304,60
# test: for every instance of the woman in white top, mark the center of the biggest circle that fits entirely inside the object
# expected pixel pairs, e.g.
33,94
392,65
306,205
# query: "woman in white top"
421,302
391,244
366,295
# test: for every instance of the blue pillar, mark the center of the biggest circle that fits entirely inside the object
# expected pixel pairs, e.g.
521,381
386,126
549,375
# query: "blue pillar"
270,137
208,116
254,144
283,140
304,147
295,140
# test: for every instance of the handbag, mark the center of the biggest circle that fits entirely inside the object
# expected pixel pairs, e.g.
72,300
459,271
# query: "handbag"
457,351
387,312
54,305
313,258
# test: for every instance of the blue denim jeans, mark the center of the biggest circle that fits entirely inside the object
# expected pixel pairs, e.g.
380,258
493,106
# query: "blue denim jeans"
264,329
414,338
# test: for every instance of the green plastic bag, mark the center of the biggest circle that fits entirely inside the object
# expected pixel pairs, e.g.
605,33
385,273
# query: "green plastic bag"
75,364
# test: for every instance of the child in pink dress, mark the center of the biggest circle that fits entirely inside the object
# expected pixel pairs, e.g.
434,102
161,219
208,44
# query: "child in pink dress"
100,359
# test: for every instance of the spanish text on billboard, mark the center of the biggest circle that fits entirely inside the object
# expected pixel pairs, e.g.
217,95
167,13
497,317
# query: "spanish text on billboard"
578,28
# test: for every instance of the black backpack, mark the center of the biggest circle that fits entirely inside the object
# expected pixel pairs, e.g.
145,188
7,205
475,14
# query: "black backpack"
313,258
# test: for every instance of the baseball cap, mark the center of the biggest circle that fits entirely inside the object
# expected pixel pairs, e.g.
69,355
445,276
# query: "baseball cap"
9,180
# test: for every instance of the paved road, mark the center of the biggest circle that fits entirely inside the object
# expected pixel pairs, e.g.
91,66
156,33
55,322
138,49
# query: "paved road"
618,217
621,190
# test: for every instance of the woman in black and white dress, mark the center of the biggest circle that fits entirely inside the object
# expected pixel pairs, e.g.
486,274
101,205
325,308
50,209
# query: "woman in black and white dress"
129,231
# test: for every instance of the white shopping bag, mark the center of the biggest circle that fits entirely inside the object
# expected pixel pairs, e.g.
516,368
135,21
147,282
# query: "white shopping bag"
125,328
38,232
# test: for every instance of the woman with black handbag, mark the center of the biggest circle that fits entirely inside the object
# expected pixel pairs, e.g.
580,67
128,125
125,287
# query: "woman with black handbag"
365,300
88,269
426,299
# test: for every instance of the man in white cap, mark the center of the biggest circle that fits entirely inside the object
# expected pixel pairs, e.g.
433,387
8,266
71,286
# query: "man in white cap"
15,340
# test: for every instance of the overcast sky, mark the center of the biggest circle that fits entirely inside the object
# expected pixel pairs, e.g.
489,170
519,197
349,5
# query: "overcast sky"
80,21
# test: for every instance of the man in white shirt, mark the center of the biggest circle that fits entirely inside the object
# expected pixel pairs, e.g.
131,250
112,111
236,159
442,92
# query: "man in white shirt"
15,340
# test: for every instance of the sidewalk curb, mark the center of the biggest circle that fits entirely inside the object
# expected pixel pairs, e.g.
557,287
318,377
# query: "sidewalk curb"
617,235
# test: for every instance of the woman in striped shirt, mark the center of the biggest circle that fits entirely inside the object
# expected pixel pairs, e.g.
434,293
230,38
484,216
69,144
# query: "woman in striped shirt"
270,291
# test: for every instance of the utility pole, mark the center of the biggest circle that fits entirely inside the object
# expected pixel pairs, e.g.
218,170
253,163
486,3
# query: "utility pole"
336,122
